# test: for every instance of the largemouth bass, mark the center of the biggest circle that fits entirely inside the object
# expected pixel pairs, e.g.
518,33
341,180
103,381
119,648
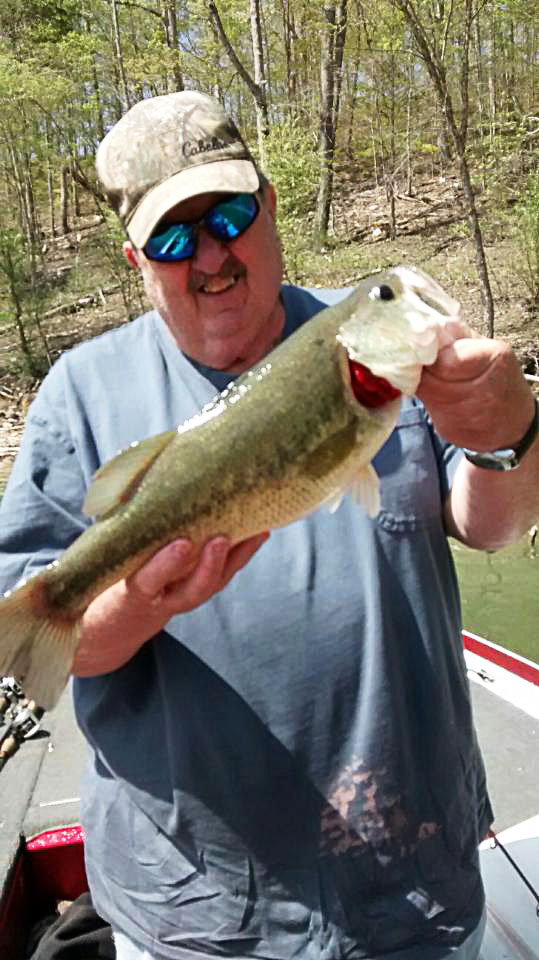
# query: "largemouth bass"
295,432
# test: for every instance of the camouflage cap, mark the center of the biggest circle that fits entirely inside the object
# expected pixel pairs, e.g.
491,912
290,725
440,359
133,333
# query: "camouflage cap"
167,149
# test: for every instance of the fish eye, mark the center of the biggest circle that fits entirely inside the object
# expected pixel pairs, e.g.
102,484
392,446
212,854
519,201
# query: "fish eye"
383,292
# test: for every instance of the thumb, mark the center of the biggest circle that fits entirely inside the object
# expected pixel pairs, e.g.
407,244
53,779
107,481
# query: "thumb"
464,360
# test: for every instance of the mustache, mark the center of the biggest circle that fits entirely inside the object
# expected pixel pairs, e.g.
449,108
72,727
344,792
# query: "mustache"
231,267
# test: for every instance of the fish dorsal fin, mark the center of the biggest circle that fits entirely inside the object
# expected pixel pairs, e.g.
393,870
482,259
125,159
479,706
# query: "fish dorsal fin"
116,481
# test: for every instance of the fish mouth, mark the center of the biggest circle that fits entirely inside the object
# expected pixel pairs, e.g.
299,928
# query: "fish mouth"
431,294
408,318
438,304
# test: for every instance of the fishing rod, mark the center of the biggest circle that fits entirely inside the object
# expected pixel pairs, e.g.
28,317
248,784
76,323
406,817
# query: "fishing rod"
515,866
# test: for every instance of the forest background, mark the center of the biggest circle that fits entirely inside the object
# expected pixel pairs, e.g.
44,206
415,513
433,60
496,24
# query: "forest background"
394,130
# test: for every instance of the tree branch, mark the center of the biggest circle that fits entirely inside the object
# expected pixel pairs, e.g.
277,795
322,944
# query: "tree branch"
446,32
139,6
254,88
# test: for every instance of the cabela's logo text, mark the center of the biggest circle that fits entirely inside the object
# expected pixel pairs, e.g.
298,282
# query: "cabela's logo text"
193,147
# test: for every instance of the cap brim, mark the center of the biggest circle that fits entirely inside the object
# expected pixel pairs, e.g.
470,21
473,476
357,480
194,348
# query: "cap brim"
226,176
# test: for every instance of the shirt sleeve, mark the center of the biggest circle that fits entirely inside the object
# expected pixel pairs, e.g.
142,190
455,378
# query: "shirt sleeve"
448,458
41,510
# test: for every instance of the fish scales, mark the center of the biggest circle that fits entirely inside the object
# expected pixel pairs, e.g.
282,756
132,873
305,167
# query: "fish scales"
251,467
289,435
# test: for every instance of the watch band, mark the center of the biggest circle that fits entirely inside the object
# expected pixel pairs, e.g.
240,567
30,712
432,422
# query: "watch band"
510,458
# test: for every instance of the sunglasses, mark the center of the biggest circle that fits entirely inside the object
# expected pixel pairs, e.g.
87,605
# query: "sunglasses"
225,221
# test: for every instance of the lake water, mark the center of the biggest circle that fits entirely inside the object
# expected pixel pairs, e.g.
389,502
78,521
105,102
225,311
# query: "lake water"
500,595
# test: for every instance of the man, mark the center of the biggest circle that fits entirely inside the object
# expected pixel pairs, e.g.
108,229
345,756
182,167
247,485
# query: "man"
283,762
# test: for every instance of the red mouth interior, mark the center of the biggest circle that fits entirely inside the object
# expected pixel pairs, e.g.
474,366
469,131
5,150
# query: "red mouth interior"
369,390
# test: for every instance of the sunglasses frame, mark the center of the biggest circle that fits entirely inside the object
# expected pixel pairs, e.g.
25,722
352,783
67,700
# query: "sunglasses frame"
197,224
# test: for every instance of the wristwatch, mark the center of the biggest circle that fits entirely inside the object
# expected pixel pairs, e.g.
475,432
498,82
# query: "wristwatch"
510,458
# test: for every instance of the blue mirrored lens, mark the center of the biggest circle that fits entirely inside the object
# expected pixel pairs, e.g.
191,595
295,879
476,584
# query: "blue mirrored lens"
225,221
175,243
232,217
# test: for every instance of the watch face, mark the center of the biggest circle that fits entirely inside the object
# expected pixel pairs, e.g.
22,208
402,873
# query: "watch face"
499,460
506,459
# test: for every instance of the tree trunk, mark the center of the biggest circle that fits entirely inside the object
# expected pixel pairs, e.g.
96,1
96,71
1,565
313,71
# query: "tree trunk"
50,183
217,90
118,54
75,195
340,40
18,179
477,238
287,41
258,90
492,84
390,194
444,142
50,192
434,65
99,125
352,94
262,123
64,199
170,19
10,272
33,223
328,119
409,173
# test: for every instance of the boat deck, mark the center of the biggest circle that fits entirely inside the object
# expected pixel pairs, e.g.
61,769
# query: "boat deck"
40,785
509,739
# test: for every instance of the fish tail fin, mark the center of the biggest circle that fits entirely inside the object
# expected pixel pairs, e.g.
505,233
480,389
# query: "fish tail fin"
36,647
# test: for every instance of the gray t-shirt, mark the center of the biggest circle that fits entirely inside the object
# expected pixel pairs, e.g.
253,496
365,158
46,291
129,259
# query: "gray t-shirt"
290,770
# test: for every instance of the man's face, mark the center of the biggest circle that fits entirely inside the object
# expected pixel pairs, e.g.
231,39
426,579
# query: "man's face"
222,306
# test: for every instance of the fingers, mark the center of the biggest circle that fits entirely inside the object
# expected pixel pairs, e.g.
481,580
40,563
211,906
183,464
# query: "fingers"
477,395
465,360
180,577
163,568
218,563
241,554
205,580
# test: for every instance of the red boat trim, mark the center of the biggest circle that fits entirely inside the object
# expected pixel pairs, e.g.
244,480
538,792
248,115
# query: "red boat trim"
48,868
56,838
55,864
512,662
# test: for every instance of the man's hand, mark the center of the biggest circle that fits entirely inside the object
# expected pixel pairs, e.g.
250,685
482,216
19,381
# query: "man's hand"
477,394
177,579
478,398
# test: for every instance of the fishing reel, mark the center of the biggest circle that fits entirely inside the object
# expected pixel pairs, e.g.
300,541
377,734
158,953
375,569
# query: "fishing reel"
20,718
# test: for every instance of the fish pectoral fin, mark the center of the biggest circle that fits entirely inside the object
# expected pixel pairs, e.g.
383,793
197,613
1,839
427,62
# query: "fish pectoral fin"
366,490
116,481
333,502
